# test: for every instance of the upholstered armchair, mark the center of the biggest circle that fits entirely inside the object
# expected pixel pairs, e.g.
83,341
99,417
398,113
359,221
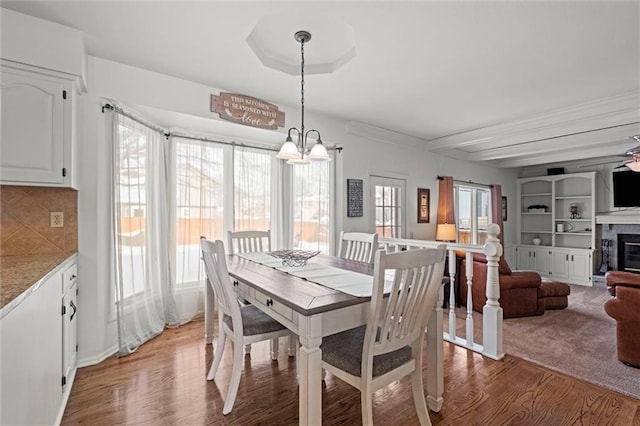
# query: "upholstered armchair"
624,307
520,292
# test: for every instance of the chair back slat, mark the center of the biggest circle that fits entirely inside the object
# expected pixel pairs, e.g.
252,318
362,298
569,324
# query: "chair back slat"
215,264
248,241
417,277
358,246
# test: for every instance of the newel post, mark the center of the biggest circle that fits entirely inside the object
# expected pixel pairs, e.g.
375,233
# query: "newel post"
492,312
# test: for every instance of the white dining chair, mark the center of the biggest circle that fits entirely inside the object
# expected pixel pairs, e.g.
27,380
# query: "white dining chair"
244,325
358,246
389,346
248,241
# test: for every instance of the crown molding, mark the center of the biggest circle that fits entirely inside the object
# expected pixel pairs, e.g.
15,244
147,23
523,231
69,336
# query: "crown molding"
619,110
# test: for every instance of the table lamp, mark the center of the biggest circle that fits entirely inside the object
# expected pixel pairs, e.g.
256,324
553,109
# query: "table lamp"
446,232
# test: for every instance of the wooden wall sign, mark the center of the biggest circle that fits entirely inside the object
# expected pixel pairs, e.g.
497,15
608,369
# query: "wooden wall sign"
247,110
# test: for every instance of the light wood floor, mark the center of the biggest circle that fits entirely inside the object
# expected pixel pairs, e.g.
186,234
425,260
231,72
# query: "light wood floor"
164,383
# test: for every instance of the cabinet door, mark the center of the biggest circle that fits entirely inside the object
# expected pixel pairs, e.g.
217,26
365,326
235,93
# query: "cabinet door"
32,128
524,259
541,261
580,265
559,263
69,331
31,354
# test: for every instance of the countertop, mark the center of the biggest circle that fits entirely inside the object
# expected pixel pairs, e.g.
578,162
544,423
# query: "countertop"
19,275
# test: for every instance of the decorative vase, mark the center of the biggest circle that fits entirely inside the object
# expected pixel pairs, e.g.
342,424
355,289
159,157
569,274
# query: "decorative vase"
536,241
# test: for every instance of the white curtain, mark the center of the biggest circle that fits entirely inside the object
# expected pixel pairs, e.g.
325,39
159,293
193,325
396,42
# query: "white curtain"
252,189
143,280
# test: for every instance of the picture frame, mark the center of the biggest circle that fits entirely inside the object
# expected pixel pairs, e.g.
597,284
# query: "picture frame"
355,198
423,205
504,209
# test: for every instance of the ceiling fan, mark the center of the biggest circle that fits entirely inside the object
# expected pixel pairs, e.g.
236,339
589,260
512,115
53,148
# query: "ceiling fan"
632,155
631,158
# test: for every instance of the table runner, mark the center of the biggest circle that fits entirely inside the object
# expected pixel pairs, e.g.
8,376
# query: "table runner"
353,283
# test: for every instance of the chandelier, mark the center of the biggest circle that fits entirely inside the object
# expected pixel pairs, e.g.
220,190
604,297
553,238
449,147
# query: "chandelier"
299,152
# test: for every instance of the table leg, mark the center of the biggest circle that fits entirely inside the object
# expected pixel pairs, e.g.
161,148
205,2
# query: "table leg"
435,357
310,363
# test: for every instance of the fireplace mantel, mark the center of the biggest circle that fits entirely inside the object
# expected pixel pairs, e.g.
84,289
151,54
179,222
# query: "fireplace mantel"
627,217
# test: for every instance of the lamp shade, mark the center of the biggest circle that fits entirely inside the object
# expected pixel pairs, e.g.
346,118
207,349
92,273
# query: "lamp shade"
288,151
634,165
446,232
318,153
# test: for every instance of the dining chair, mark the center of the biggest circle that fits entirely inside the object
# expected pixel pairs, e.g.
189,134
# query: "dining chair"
389,346
358,246
244,325
248,241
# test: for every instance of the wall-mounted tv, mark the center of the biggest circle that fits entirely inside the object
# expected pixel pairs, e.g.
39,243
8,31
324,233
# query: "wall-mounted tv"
626,189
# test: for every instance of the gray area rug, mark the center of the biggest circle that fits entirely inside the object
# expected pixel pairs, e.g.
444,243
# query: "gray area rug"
579,341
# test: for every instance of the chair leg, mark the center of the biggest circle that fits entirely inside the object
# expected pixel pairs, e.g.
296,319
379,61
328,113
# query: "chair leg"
366,402
235,381
418,397
274,344
293,344
217,355
247,349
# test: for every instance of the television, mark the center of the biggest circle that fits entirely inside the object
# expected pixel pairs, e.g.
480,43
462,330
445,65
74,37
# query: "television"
626,189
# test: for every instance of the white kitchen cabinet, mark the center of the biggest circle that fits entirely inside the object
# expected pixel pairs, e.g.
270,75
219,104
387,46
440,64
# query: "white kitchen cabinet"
69,323
37,127
31,349
580,266
33,358
559,261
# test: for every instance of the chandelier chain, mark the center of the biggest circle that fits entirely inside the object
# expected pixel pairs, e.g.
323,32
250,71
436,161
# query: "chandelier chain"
302,81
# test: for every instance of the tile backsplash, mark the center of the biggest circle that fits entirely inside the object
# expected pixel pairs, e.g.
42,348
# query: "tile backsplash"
25,220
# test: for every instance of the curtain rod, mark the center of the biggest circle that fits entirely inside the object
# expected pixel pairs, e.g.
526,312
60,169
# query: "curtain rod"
168,134
468,181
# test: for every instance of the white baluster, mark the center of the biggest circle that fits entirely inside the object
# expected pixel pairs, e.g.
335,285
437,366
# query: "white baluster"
492,312
452,295
469,274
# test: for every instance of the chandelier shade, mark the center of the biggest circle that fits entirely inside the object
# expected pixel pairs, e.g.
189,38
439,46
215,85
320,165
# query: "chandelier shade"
299,152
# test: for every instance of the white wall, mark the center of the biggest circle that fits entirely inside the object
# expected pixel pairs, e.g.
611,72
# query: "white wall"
133,86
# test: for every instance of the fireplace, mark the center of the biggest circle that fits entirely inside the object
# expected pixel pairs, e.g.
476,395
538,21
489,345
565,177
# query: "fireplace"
629,252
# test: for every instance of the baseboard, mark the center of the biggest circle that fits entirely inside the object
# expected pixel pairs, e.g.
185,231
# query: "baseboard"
85,362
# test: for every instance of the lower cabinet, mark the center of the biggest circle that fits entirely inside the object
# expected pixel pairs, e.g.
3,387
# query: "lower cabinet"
69,324
32,354
556,263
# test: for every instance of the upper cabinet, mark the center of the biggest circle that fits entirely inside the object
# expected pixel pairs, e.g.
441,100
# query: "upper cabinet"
36,142
43,69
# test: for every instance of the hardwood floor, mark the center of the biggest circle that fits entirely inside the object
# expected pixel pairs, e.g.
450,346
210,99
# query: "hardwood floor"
164,383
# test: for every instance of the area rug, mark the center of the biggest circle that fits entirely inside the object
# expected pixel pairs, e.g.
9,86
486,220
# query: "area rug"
579,341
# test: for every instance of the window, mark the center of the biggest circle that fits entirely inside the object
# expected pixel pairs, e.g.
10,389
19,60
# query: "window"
473,213
252,189
388,200
311,207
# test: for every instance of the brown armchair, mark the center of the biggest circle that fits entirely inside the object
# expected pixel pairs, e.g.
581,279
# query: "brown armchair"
624,307
520,291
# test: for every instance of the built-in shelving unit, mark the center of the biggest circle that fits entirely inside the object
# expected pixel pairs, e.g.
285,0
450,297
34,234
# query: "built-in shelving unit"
558,213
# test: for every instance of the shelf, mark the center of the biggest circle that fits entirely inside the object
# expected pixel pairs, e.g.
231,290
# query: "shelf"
539,194
536,232
574,233
572,220
574,197
533,214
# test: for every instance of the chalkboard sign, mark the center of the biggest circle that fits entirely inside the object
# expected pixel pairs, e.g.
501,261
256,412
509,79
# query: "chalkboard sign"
354,198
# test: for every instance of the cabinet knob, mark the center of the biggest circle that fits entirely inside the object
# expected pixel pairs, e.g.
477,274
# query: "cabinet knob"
72,277
235,283
269,302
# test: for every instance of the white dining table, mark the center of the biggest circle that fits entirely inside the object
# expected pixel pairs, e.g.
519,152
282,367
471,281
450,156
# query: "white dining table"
312,311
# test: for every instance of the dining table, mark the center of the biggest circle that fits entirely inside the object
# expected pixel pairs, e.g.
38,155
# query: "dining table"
295,297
